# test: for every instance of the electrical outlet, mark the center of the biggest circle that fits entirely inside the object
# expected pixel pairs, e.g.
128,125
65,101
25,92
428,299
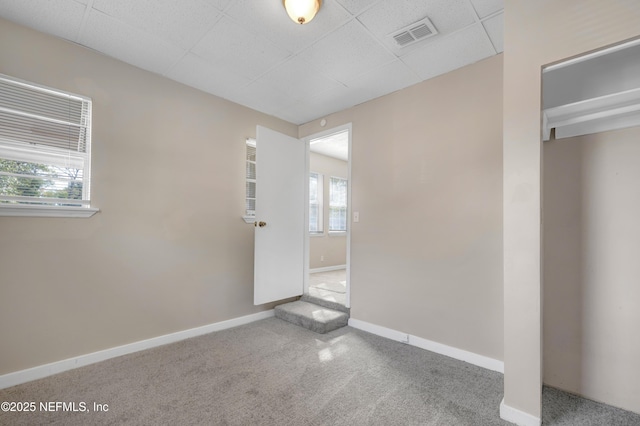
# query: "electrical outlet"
356,216
321,258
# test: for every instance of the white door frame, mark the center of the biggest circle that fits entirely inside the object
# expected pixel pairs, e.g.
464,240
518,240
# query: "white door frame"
306,140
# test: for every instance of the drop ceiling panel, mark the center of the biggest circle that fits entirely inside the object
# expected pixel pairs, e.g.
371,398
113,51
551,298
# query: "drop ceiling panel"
218,4
298,115
197,72
311,109
487,7
338,99
261,96
386,79
270,19
250,52
182,23
298,79
357,6
449,53
128,44
62,18
387,17
346,52
238,50
495,28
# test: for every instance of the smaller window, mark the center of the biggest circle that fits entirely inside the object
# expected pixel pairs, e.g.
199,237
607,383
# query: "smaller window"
315,203
250,193
337,205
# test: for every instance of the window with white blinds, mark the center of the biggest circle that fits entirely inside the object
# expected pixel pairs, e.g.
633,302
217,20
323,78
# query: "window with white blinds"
250,203
337,204
45,146
315,202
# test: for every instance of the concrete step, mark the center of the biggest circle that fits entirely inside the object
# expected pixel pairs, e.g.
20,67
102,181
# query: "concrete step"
311,316
322,300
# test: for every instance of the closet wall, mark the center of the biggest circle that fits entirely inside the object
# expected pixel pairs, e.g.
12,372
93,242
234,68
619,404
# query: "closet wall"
591,235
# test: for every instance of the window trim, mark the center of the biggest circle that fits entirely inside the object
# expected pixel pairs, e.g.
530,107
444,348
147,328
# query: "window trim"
336,232
249,142
319,203
47,211
46,154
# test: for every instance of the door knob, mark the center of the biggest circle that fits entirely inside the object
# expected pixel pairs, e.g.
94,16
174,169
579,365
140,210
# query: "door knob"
262,224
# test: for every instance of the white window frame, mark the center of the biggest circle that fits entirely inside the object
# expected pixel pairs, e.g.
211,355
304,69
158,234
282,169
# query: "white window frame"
19,150
249,215
345,206
319,204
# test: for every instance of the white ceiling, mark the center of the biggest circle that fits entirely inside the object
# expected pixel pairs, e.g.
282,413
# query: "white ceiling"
250,52
335,145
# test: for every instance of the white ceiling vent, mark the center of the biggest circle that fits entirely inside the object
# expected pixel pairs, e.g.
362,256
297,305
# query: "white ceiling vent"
415,32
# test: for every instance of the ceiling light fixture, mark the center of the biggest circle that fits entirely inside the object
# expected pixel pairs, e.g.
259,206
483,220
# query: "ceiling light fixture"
302,11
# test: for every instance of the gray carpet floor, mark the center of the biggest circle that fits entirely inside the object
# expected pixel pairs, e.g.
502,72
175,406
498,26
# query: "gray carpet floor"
274,373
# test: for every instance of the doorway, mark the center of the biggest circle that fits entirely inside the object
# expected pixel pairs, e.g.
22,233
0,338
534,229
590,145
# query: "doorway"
328,213
591,127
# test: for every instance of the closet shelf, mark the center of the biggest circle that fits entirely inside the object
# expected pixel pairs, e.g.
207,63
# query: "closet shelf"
609,112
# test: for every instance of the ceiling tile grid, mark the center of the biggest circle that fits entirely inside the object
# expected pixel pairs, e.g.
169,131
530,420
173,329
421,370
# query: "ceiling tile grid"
356,6
323,104
495,29
237,50
61,18
298,79
261,95
250,52
455,51
485,8
201,74
269,19
128,44
346,52
218,4
386,79
386,17
182,23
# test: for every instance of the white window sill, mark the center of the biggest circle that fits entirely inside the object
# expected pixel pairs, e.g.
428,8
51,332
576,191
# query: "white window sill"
316,234
249,219
337,233
46,211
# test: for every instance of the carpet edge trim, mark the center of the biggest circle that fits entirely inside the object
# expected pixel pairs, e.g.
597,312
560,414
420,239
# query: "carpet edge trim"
45,370
518,417
429,345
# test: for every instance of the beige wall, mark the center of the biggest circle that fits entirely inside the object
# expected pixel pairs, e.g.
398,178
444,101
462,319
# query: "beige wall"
538,33
168,251
426,255
333,249
591,269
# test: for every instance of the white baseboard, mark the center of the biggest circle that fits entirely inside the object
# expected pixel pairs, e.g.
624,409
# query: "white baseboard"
327,269
518,417
42,371
439,348
378,330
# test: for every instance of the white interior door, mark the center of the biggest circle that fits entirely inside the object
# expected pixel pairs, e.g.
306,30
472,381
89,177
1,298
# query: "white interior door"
280,199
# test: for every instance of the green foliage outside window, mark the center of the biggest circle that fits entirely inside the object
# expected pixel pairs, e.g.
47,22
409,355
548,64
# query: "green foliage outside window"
47,181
